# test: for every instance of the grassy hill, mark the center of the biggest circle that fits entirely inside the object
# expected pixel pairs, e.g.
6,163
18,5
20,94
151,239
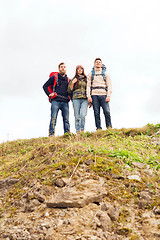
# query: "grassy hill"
128,161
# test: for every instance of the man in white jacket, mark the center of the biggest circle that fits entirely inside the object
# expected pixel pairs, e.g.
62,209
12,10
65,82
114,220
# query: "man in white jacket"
99,90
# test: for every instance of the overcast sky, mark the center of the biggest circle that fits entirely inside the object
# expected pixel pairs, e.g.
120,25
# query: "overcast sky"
36,35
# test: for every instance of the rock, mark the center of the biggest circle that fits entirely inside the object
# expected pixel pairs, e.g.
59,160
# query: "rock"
115,176
110,236
113,213
59,223
156,210
35,202
144,199
34,237
156,234
8,182
2,183
89,162
73,199
11,181
142,204
123,231
138,164
46,214
145,195
104,207
29,208
49,233
35,185
92,192
134,177
5,235
46,191
105,221
46,224
94,238
101,181
39,197
97,222
70,231
60,183
148,171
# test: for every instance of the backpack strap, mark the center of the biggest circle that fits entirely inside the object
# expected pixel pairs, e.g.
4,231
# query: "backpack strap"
56,84
103,75
92,78
69,97
55,80
52,88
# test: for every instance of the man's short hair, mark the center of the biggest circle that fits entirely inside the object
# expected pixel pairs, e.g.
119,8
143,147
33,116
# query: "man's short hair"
98,59
62,63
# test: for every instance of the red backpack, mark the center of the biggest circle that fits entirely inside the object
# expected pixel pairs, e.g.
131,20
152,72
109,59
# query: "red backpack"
51,88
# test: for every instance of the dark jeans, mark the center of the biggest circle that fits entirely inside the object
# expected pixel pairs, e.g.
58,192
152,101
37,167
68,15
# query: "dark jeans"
55,107
100,101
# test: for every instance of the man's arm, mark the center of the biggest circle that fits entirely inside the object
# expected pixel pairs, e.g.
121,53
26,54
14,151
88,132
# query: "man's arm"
88,89
49,83
109,88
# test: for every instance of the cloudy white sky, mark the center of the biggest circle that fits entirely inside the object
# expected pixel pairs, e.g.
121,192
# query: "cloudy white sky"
36,35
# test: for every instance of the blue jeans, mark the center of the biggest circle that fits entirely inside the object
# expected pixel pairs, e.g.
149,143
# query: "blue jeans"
80,107
100,101
55,107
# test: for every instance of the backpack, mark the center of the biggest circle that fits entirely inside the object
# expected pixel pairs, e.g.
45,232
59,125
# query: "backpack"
103,73
51,88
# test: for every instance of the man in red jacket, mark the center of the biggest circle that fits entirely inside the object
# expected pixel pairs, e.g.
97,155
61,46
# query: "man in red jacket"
59,98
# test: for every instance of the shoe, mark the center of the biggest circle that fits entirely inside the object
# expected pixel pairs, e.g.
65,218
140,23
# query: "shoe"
51,135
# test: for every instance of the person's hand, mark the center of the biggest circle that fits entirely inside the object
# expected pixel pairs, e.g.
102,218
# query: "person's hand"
72,83
51,94
107,99
89,105
89,102
89,99
74,80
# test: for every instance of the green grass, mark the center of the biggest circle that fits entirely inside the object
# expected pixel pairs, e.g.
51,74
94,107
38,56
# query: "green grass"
112,152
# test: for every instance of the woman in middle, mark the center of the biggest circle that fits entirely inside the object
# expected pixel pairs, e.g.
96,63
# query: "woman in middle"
77,88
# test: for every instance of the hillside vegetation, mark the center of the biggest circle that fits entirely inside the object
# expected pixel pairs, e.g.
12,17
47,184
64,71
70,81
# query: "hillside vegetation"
117,170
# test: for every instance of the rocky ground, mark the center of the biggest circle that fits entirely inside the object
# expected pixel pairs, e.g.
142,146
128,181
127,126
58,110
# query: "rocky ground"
83,206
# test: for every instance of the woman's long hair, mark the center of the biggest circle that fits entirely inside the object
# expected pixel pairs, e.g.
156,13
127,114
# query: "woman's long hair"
77,75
